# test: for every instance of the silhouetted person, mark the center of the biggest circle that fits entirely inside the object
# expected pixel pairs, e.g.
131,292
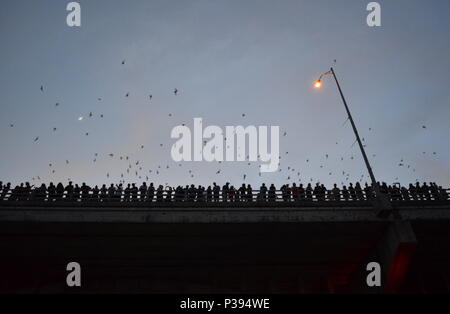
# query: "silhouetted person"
345,193
18,192
396,196
85,189
419,194
412,191
22,193
272,193
41,192
322,192
200,194
434,190
309,192
301,193
316,191
388,190
51,192
209,194
225,190
5,188
150,193
352,192
1,190
359,192
336,193
15,193
249,193
134,192
27,191
183,193
263,192
242,191
169,194
426,191
5,191
69,191
295,192
178,197
127,193
160,193
143,191
383,188
216,192
443,195
95,193
404,193
284,194
76,192
186,193
192,193
118,193
232,194
59,191
111,192
368,191
103,193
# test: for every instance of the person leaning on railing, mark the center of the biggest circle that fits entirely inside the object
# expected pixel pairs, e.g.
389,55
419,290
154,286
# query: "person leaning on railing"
143,191
241,192
336,193
249,193
150,193
169,194
368,191
216,192
209,194
160,193
272,193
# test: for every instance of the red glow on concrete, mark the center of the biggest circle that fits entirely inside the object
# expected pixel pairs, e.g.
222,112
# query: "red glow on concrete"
399,268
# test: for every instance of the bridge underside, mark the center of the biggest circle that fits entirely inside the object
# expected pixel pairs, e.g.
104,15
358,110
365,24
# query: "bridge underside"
311,256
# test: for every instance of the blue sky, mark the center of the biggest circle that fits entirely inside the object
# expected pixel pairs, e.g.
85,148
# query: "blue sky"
227,58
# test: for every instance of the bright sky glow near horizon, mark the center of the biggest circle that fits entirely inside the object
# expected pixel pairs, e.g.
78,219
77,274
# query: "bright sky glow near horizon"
227,58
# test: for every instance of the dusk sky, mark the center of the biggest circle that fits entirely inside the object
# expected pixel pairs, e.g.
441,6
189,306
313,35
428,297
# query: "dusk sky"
227,58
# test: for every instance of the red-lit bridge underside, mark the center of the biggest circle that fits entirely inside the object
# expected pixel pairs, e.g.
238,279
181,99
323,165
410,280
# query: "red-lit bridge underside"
224,250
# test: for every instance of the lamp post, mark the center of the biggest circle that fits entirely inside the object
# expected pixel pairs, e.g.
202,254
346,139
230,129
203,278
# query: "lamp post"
383,203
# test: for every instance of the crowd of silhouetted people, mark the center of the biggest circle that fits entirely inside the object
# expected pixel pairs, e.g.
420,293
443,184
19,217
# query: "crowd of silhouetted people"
215,193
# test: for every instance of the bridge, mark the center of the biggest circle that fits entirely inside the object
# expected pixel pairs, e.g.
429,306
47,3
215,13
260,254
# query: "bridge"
316,246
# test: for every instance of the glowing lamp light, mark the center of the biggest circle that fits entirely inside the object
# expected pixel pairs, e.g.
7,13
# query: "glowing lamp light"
318,84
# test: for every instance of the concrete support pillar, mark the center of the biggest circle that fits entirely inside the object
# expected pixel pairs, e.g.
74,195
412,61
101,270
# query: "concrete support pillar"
393,252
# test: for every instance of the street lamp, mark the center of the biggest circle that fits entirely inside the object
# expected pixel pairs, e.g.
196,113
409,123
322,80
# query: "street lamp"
381,202
318,83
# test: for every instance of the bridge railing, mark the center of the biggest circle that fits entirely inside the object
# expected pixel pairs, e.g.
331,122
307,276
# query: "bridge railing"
255,196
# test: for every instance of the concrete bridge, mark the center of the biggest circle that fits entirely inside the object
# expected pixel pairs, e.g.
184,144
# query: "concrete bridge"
226,248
